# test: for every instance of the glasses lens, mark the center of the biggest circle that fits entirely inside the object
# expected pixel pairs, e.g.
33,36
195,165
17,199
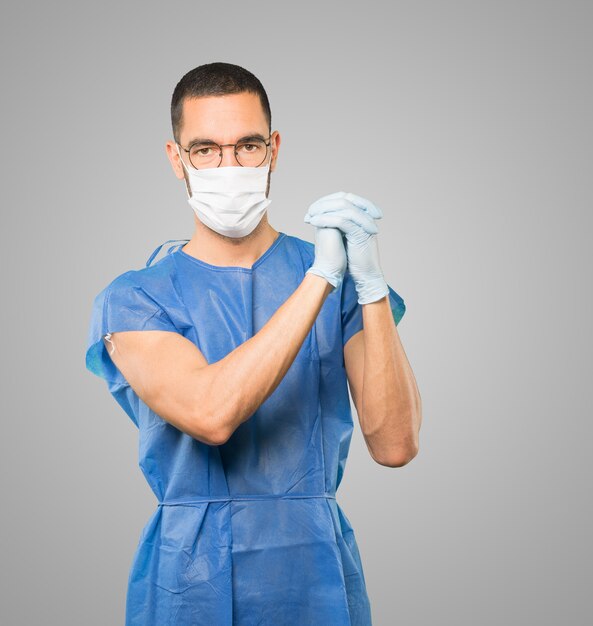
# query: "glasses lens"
202,155
251,153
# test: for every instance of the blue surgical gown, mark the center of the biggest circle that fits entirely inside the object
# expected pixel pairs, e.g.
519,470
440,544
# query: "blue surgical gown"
249,532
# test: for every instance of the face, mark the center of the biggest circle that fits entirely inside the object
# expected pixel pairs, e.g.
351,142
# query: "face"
223,119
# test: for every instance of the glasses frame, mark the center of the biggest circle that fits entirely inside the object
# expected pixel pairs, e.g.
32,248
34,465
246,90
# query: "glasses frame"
225,145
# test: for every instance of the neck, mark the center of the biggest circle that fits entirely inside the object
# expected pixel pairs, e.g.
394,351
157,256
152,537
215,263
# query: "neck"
212,247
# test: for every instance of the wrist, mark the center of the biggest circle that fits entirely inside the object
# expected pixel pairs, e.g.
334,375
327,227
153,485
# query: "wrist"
334,280
371,290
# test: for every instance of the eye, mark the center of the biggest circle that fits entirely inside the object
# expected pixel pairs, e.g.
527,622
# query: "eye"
251,147
202,150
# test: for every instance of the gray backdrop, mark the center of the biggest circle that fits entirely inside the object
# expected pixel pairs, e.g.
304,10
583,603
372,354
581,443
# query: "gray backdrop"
469,124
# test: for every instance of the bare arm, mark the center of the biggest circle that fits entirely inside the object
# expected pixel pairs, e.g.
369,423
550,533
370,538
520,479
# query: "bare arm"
384,388
209,401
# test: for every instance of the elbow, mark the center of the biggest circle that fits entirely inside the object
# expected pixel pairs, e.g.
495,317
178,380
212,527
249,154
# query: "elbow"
210,437
220,436
210,430
397,458
214,413
399,455
404,450
217,438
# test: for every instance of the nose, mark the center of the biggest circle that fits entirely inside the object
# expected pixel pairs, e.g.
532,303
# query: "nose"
228,157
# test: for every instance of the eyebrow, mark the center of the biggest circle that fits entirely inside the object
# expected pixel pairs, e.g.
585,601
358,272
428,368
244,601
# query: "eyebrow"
244,138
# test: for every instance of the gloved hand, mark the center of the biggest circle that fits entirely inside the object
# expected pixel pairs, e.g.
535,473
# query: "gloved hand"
330,256
355,217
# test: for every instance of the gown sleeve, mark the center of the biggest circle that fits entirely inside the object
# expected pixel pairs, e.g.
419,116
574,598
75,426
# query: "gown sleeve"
352,311
122,305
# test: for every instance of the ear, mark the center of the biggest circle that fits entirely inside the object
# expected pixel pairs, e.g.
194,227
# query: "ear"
275,142
173,156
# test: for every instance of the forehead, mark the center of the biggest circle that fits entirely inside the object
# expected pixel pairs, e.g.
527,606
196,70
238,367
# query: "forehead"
223,118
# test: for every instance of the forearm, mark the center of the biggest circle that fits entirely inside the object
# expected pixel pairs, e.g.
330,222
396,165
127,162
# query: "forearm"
391,404
247,376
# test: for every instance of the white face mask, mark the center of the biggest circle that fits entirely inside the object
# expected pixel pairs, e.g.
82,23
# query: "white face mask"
229,200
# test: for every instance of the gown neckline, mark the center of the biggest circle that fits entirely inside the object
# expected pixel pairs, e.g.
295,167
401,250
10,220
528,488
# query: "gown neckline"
234,268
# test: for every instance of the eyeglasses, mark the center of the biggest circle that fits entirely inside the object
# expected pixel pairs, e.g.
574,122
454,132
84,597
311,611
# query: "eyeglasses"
249,152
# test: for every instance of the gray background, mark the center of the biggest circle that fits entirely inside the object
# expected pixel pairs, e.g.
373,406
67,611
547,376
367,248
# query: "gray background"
469,124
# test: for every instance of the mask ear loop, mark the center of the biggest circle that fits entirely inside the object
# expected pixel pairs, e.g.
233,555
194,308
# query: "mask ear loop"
108,338
187,191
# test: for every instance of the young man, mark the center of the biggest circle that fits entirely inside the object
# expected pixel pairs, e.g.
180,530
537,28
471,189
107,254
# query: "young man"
232,355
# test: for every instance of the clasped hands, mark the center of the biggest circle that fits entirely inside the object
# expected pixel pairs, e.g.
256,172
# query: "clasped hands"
340,216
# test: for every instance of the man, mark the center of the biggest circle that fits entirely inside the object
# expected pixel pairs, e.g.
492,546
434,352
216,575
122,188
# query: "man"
232,354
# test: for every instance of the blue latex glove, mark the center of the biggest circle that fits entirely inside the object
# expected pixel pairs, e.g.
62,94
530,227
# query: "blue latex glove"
330,256
355,217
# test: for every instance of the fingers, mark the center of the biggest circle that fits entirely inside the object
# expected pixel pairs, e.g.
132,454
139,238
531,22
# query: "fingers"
362,203
340,200
330,238
348,220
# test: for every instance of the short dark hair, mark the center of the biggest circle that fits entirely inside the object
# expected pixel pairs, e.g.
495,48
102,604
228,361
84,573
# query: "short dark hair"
215,79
